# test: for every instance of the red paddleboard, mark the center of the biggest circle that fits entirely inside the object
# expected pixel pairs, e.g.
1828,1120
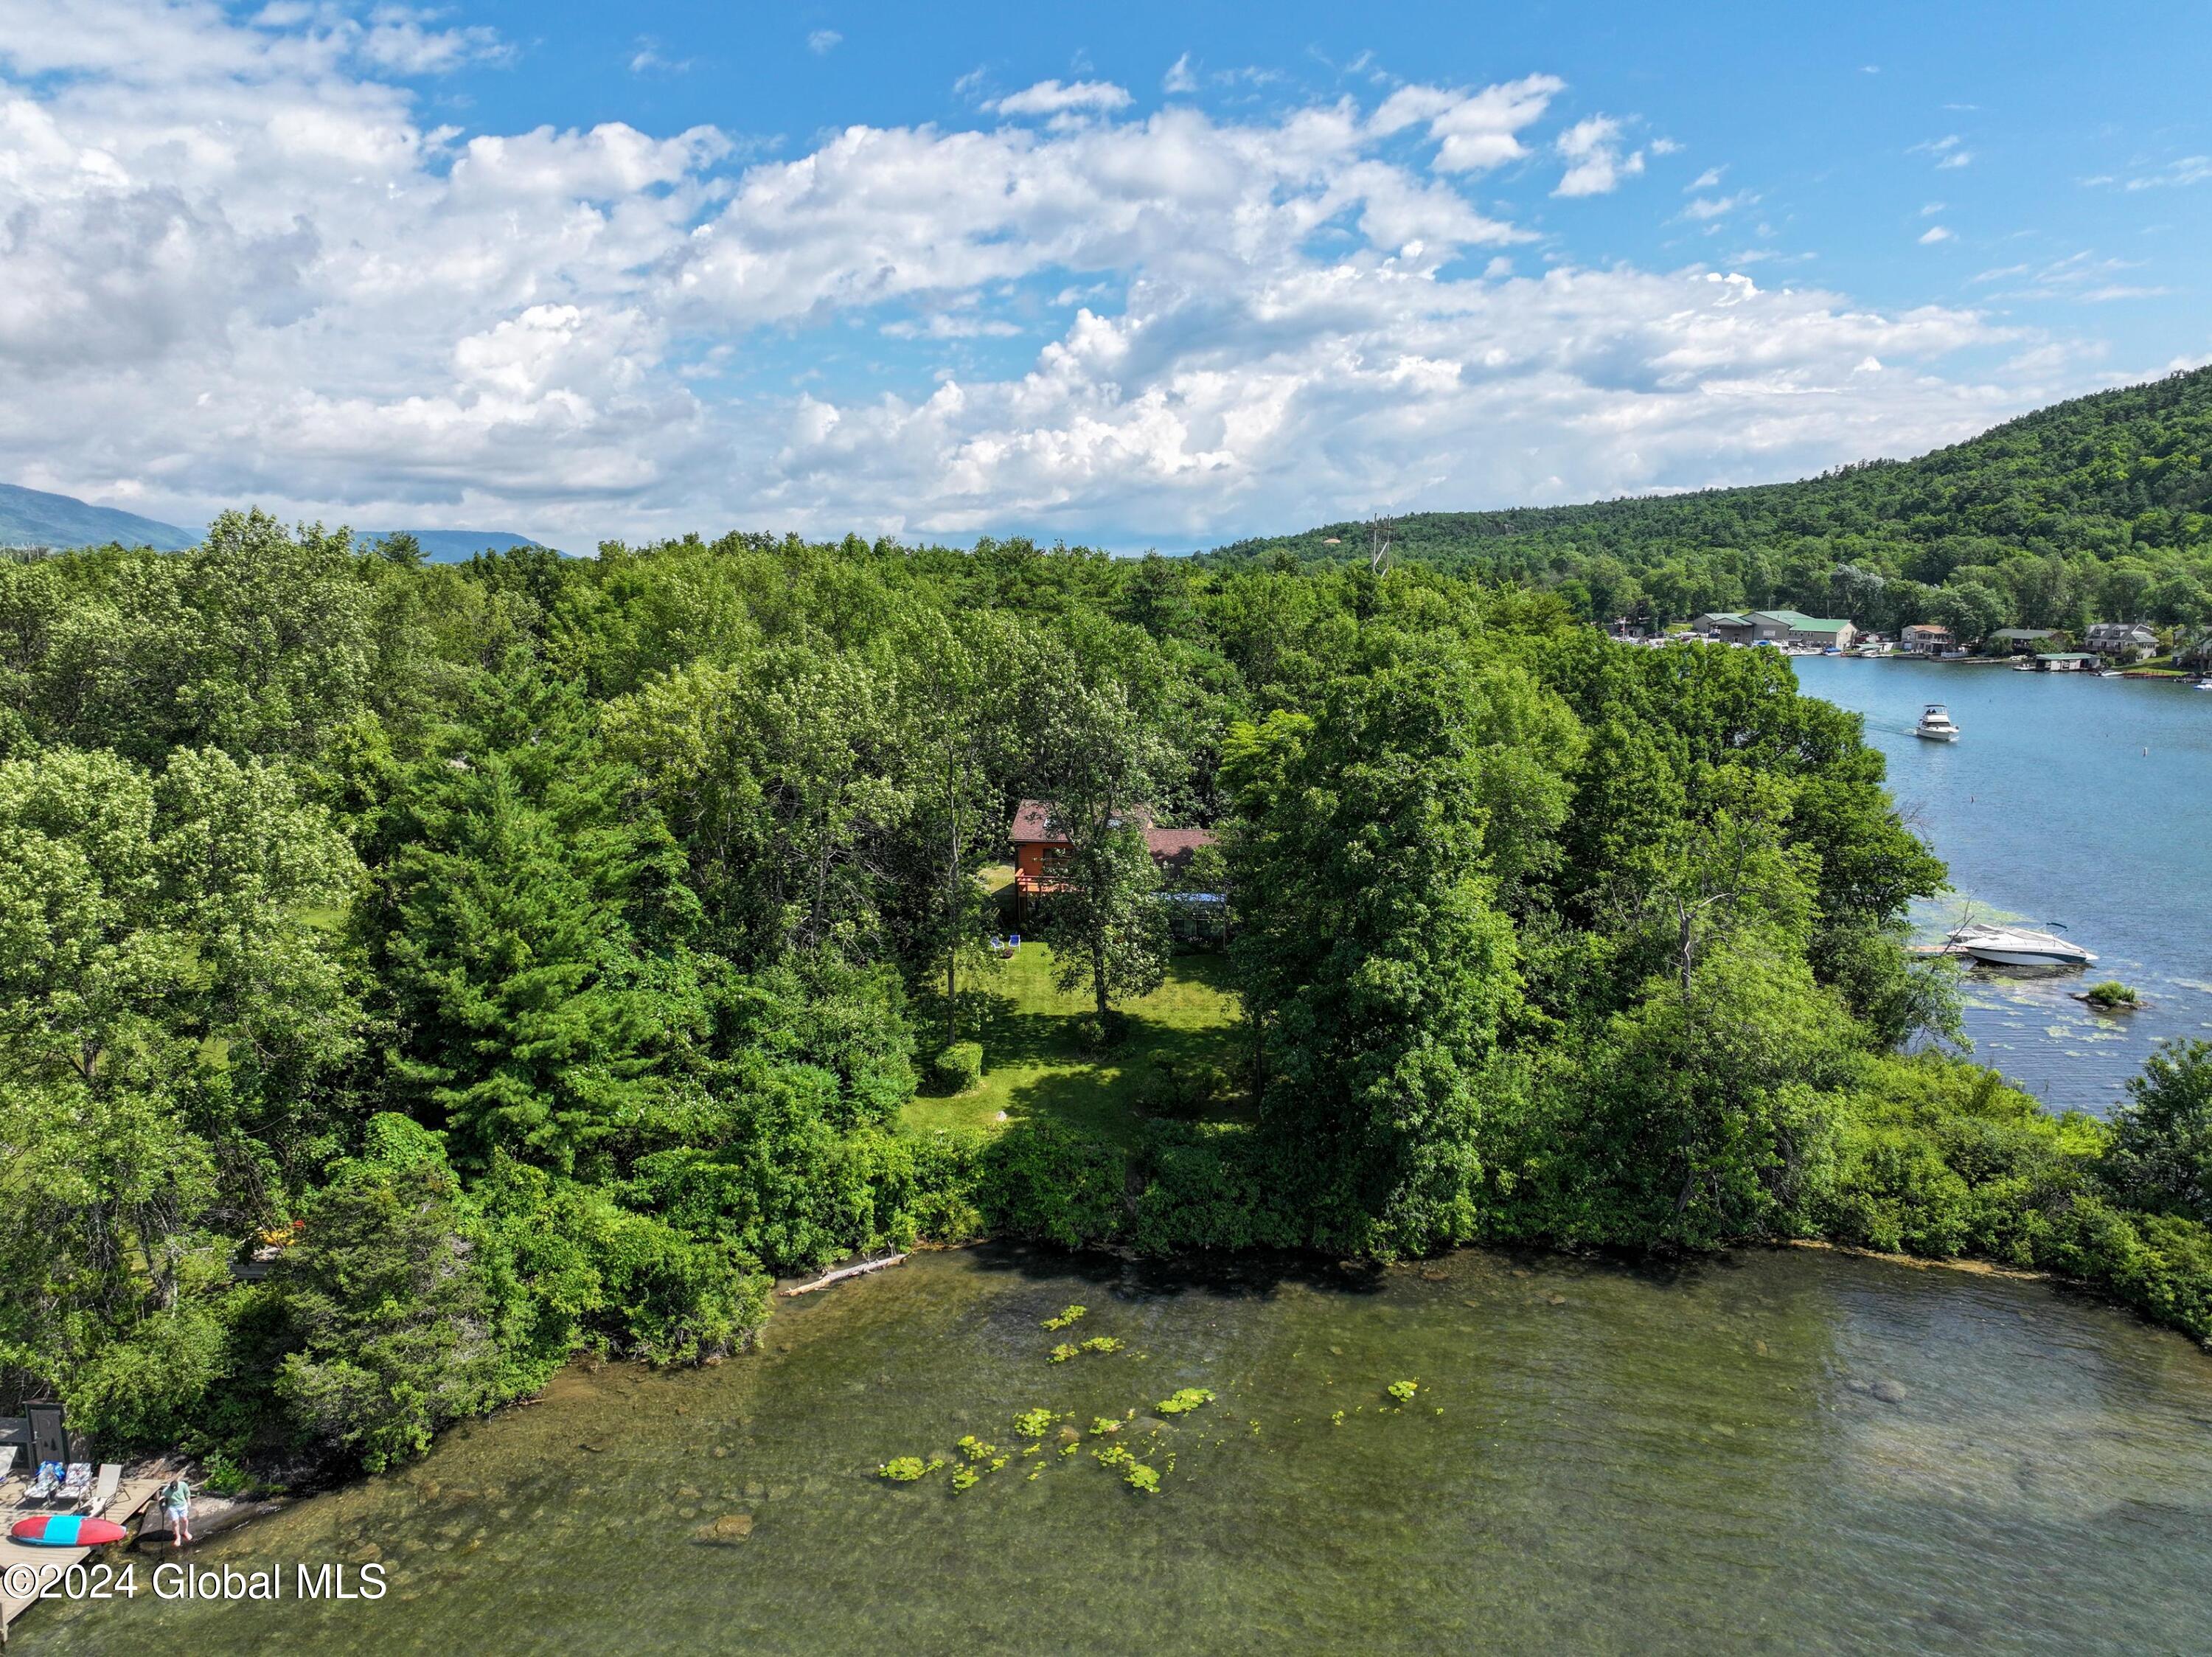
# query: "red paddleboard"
66,1531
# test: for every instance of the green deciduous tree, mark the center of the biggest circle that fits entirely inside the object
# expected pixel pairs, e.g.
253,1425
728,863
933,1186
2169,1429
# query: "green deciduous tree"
1372,957
172,1013
2161,1151
1710,1104
1102,766
783,778
106,1249
172,935
962,694
257,641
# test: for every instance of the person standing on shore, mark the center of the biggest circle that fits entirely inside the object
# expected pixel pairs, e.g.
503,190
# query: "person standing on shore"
177,1504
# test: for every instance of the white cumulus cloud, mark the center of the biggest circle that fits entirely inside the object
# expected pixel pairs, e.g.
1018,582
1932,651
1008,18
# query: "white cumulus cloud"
238,264
401,41
1474,131
1052,97
1595,166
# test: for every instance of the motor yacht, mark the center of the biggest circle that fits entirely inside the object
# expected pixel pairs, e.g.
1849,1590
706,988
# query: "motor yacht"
2017,946
1936,724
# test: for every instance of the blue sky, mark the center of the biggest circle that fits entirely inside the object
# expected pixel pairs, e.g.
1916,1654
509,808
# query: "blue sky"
1138,275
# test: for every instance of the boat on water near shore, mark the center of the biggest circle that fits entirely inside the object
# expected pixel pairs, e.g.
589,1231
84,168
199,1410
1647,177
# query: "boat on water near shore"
2016,946
1936,724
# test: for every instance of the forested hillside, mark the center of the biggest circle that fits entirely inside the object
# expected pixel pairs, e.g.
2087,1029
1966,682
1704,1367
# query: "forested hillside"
2095,509
413,975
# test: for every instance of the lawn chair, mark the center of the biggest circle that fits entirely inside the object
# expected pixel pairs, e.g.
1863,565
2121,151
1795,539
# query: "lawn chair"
7,1464
103,1489
48,1481
76,1486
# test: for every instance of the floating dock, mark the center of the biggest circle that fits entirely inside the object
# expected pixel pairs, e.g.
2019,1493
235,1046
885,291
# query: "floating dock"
130,1496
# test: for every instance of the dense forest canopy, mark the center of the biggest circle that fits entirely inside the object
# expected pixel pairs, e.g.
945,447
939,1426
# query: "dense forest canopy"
537,954
2096,510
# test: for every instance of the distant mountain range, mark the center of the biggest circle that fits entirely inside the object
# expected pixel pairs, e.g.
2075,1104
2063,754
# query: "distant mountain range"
31,517
454,546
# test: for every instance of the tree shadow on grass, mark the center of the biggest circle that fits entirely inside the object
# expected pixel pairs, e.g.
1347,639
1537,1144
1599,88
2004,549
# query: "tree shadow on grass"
1105,1093
1038,1068
977,1013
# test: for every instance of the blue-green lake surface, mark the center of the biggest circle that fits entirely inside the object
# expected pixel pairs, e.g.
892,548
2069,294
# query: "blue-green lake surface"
2070,798
1782,1451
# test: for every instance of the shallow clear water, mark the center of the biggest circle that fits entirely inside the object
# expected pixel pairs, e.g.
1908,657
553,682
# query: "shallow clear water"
1782,1451
2070,798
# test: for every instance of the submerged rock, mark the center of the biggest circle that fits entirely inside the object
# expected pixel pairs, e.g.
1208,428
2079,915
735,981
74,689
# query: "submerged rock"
730,1527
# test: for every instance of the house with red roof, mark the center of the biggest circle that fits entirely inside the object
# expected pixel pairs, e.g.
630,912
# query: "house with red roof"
1040,848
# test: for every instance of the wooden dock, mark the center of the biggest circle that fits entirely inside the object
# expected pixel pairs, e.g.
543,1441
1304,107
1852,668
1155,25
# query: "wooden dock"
130,1496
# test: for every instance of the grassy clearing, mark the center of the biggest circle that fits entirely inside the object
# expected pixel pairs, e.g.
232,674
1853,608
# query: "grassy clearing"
1033,1069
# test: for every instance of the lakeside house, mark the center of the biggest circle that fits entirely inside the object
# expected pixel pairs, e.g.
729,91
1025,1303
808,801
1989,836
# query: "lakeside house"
1040,849
1790,627
2022,641
1729,624
2123,640
1927,639
1816,632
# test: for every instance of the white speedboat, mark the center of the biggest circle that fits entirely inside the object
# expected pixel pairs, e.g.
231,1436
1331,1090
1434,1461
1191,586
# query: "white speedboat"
2017,946
1936,724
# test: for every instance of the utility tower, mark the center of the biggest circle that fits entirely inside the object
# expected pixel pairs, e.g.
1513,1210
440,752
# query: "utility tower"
1379,529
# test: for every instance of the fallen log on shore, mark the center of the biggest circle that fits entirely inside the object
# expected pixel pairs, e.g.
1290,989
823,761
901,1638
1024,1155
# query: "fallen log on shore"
841,1274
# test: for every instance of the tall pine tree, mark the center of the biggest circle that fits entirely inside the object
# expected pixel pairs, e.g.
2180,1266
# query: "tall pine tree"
521,893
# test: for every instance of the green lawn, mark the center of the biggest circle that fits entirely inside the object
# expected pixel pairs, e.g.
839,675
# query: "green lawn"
1033,1069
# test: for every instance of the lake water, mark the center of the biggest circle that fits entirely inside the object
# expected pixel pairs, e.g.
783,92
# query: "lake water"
2070,798
1782,1451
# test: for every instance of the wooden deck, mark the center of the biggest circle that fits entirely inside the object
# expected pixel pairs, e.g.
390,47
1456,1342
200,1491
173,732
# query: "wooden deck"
130,1496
